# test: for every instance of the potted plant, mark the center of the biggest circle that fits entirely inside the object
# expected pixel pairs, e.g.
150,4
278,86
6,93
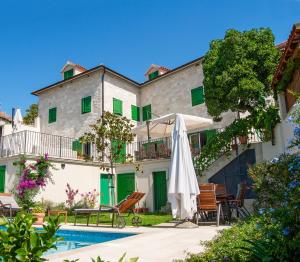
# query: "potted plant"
39,213
243,139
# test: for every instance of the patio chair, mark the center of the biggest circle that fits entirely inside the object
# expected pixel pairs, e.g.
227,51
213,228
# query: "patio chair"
125,206
238,203
208,206
207,186
8,204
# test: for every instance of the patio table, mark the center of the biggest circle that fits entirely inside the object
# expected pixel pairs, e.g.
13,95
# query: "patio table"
224,199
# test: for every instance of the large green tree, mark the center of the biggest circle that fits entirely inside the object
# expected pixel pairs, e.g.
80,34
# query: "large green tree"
31,114
238,71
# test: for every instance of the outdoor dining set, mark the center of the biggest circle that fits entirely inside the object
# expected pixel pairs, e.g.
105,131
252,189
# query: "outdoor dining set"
214,202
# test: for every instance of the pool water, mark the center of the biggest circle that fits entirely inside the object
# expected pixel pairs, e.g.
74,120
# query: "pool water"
73,239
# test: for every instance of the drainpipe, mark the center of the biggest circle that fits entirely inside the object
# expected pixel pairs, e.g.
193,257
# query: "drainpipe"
102,89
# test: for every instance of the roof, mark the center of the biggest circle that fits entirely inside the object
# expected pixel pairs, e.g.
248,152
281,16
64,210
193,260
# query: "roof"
5,116
77,66
290,47
158,67
105,68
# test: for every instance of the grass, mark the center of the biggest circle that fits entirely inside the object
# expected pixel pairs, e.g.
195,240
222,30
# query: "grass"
149,219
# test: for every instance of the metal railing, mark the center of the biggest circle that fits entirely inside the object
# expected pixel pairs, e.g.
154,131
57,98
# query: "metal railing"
35,143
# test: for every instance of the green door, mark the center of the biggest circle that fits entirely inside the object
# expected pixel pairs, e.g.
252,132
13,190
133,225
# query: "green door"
160,189
2,178
104,187
125,185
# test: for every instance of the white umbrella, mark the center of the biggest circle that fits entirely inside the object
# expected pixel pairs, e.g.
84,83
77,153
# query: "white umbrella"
163,125
183,184
17,120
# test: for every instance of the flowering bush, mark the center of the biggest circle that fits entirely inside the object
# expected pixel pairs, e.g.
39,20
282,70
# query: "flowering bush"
71,193
90,199
32,178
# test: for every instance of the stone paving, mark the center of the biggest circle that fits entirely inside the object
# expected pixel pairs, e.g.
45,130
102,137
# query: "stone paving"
160,243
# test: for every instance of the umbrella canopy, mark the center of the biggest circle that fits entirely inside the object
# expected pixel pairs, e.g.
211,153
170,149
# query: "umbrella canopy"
163,125
17,120
183,184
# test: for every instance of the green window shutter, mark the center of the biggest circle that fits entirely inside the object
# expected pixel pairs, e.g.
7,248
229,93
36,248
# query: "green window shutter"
117,106
2,178
153,75
197,96
77,146
135,113
210,134
68,74
119,148
147,114
52,115
86,104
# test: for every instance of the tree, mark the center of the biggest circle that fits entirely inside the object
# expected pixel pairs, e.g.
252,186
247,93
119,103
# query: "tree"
110,134
238,71
31,114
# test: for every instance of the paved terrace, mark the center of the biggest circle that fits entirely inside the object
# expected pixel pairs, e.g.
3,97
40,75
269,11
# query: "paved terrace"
150,245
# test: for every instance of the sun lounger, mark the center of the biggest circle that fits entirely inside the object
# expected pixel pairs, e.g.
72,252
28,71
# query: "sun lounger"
125,206
8,204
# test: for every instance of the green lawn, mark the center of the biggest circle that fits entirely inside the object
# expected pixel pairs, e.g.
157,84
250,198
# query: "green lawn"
150,219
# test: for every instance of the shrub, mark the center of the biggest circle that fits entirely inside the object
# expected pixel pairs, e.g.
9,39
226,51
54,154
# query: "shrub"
22,242
31,179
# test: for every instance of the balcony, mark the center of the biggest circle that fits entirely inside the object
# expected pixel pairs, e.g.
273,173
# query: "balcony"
34,143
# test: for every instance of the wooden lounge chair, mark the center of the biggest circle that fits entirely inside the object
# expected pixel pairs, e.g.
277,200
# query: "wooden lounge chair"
208,205
8,204
125,206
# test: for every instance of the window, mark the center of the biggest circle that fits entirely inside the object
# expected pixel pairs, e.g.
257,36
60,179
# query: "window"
77,146
197,96
68,74
135,113
119,150
87,149
86,105
117,106
147,113
153,75
52,115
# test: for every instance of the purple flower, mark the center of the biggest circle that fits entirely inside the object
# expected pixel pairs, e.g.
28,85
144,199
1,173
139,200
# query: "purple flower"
46,156
297,131
293,184
285,231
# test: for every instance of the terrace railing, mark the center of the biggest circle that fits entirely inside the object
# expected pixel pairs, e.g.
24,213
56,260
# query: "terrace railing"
35,143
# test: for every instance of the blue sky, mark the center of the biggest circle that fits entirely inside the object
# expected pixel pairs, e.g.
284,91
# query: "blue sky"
37,37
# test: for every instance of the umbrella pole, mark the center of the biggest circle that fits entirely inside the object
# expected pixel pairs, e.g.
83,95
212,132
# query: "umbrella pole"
148,130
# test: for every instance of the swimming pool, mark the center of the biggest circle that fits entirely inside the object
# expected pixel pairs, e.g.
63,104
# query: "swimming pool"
74,239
